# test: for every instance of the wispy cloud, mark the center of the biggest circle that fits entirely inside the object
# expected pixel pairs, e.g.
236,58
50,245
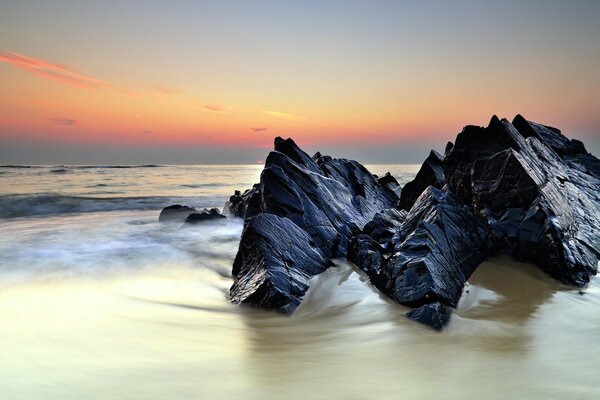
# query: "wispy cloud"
166,89
214,108
57,72
53,71
147,132
258,129
64,121
287,116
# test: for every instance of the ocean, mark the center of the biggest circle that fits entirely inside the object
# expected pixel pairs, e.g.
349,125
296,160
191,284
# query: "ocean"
100,301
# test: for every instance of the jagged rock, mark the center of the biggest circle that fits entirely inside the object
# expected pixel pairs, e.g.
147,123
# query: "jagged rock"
275,261
430,174
205,215
571,151
521,188
384,225
328,199
244,205
546,210
175,212
331,199
433,252
435,315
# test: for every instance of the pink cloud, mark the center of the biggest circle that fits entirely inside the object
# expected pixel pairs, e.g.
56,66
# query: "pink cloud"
53,71
214,107
64,121
57,72
258,129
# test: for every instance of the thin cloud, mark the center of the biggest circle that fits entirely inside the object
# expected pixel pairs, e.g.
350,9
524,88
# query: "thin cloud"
147,132
64,121
287,116
166,89
55,72
258,129
214,108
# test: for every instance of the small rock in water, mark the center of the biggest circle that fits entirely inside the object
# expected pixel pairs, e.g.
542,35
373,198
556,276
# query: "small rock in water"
177,213
205,215
435,315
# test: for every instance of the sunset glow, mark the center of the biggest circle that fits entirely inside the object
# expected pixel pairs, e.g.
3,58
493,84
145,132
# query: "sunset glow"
219,77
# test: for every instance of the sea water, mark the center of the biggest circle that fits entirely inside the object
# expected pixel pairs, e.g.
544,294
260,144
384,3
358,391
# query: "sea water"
100,301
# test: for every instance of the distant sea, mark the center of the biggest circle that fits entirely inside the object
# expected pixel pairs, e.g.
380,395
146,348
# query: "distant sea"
100,301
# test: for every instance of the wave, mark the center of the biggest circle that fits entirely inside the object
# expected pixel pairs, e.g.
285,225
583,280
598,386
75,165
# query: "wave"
26,205
20,166
82,166
112,166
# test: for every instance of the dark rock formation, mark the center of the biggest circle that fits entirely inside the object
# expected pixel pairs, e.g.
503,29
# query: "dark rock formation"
205,215
430,174
544,208
430,256
329,199
275,261
521,188
176,213
244,205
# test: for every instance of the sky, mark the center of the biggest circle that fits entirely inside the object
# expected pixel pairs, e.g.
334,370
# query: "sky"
213,82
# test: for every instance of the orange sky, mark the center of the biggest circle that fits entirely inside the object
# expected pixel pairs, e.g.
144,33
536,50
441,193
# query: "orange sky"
351,75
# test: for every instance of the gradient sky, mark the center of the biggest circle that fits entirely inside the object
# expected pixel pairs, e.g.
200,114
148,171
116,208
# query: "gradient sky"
130,82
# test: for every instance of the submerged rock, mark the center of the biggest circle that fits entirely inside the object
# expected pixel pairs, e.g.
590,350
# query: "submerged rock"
205,215
435,315
521,188
175,212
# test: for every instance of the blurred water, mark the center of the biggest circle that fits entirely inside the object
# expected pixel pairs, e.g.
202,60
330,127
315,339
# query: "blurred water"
100,301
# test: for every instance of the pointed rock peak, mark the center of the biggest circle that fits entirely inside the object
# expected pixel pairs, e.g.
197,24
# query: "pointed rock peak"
281,142
523,126
434,155
518,119
291,149
448,148
494,121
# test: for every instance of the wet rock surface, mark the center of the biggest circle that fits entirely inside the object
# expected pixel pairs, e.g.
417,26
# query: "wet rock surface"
520,188
434,315
274,264
206,215
430,174
432,254
176,212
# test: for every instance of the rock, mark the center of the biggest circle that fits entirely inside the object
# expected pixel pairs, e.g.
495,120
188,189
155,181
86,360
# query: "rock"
432,254
205,215
303,212
244,205
520,188
430,174
384,225
274,264
331,199
571,151
175,213
544,208
434,315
